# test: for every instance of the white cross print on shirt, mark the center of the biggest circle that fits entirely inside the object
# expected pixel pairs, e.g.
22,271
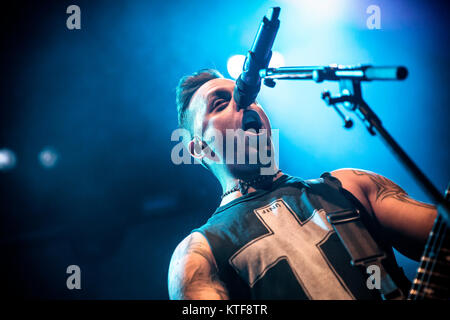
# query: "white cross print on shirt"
296,242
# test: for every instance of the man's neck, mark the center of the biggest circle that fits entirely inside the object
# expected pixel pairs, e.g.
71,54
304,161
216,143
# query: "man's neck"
233,182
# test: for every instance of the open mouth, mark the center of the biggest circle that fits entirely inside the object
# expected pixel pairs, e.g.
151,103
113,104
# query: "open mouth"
251,121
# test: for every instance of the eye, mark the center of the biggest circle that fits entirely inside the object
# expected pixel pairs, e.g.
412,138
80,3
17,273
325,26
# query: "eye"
219,104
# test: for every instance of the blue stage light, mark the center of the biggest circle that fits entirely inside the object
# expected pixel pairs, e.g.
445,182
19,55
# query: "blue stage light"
235,64
48,157
277,60
7,159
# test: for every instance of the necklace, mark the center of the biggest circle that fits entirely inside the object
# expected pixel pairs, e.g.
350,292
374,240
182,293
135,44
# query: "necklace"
243,185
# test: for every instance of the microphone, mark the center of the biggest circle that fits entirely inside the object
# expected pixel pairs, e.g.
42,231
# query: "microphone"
249,82
335,73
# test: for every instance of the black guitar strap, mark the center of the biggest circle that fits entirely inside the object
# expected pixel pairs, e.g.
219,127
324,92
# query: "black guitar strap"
357,240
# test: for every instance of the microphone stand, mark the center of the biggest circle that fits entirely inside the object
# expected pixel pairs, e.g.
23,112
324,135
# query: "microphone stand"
349,79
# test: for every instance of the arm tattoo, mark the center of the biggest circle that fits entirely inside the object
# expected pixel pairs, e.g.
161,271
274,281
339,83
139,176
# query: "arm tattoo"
385,188
200,278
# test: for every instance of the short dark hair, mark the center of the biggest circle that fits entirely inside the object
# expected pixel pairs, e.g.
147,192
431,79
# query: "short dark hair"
186,89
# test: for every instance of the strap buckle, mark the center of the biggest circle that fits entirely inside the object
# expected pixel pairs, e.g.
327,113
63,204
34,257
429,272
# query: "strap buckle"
348,226
342,216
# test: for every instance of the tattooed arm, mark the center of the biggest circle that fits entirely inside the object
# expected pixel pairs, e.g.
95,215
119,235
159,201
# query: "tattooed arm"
405,221
193,271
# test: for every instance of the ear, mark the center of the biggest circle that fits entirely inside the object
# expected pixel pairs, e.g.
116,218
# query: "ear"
200,149
195,147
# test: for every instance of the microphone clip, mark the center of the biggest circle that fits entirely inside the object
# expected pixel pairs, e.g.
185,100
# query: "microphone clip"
352,100
333,101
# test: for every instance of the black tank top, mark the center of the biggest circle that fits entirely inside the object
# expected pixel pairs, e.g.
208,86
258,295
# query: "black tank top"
278,244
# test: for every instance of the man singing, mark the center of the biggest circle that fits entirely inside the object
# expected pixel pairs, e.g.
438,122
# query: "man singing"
272,237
